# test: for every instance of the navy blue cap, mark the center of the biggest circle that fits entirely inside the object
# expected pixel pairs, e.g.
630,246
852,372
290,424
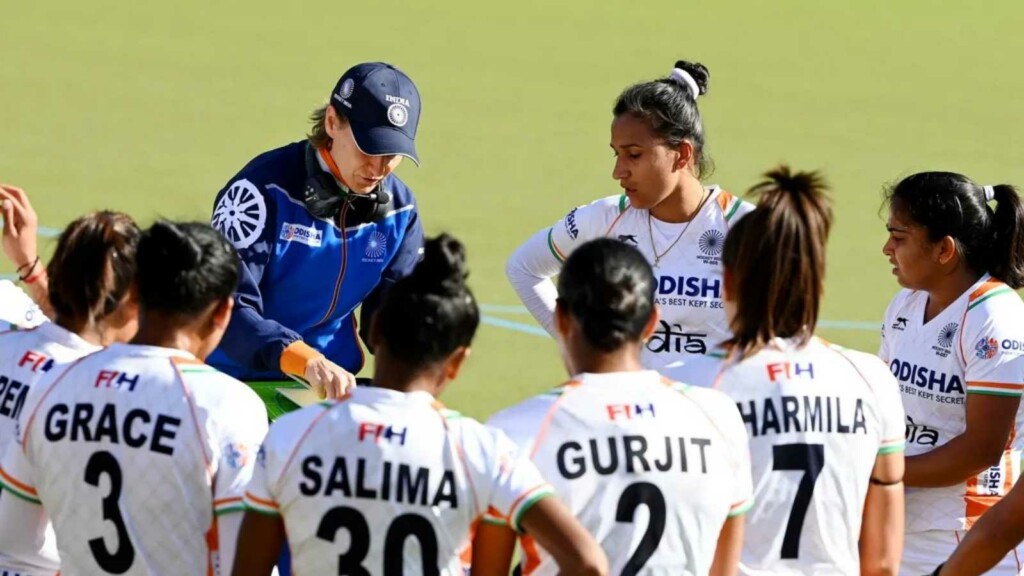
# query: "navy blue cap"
383,107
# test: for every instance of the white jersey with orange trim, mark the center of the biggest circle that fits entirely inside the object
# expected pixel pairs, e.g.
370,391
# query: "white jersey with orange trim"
25,357
650,467
688,272
974,346
386,482
134,452
17,310
817,418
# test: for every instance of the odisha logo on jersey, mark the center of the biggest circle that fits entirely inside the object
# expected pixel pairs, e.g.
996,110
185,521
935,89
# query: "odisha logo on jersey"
710,242
986,348
628,239
376,246
947,334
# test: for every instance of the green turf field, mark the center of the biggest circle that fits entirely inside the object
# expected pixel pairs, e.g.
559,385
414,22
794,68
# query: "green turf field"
149,107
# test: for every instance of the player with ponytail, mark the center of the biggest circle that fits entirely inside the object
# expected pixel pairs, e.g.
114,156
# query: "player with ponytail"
825,423
618,438
141,443
664,211
954,338
343,469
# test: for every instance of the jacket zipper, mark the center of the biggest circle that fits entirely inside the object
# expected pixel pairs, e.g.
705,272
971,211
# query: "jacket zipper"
344,265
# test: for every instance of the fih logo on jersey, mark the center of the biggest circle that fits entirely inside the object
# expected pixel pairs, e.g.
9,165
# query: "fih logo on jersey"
986,348
307,235
710,245
945,340
376,247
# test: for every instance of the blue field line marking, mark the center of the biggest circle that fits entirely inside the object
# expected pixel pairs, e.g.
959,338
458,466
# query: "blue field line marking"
533,329
46,232
514,326
8,276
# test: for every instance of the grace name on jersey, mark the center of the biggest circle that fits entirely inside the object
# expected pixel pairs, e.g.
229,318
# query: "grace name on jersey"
575,459
83,422
399,483
925,382
803,414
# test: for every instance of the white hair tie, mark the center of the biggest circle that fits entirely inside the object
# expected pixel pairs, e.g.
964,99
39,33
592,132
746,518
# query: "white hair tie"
683,77
990,193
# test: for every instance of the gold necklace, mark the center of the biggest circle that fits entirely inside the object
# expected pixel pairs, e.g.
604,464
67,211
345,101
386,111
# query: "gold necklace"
650,230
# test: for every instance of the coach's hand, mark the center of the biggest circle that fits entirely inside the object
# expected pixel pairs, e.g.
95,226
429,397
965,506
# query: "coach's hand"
327,378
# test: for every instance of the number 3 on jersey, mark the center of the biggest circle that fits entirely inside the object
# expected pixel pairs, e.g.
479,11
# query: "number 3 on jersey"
809,459
121,559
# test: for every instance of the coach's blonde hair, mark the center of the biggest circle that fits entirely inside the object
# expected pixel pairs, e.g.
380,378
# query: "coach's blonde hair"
318,136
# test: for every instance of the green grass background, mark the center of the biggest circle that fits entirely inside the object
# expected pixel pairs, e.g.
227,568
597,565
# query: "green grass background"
149,107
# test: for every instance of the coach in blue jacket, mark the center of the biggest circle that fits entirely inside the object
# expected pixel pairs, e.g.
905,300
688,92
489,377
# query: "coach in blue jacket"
322,226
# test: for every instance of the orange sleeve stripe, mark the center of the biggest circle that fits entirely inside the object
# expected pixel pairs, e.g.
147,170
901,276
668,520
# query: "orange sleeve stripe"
724,198
1001,385
548,418
986,287
19,485
224,501
261,501
526,495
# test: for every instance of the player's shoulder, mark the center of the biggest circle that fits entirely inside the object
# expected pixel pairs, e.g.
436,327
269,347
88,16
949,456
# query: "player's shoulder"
870,367
732,207
401,193
697,370
994,299
222,395
287,161
526,416
288,430
709,399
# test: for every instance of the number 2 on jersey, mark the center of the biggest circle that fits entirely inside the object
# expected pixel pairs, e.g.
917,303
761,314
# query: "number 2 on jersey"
121,559
635,495
809,459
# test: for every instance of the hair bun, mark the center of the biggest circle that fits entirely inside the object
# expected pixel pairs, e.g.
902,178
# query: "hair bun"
696,72
177,249
443,269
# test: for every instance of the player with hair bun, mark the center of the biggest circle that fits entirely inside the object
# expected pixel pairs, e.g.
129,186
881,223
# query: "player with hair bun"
139,452
678,224
825,423
91,275
658,471
954,338
389,481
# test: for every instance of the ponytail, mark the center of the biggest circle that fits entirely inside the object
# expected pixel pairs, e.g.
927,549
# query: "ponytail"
1007,231
776,255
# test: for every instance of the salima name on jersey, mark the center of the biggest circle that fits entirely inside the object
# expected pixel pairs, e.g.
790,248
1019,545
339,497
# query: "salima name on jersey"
397,482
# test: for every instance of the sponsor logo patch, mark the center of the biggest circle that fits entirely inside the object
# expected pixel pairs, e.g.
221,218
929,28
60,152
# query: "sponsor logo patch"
986,348
307,235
